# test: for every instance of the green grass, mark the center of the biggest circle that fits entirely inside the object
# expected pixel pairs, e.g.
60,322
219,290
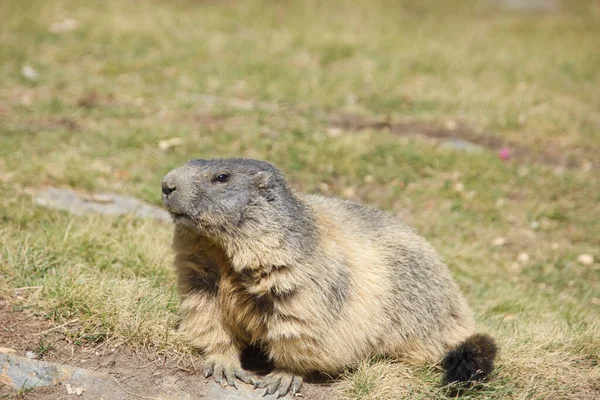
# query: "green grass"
132,74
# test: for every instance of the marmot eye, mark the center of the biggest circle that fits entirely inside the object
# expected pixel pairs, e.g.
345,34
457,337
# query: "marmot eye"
221,178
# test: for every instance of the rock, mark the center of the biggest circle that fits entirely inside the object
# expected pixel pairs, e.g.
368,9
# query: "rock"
74,390
523,258
535,225
499,241
585,259
450,125
66,25
334,132
31,355
531,5
23,373
102,203
29,73
460,144
166,144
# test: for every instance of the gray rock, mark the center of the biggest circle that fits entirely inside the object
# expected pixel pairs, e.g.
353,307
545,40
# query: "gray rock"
102,203
23,373
460,144
531,5
31,355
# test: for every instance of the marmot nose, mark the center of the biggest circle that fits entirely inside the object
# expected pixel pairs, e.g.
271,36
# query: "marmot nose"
167,187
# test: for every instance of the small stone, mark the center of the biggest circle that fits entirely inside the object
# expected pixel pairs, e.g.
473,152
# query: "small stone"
554,246
167,144
532,5
74,390
29,73
26,100
369,179
334,132
31,355
460,144
349,192
499,241
523,257
535,225
459,187
451,125
67,25
585,259
500,203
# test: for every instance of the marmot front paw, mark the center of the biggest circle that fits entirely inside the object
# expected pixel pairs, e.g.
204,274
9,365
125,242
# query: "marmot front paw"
281,381
225,372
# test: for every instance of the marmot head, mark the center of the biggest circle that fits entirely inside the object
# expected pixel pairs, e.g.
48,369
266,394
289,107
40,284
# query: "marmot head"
223,195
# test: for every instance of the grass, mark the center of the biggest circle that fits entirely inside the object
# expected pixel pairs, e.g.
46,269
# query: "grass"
132,74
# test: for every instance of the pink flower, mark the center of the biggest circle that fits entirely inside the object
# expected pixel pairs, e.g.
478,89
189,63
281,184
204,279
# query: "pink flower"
504,153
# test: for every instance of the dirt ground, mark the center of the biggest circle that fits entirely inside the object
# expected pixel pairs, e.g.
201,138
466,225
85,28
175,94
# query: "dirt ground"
141,373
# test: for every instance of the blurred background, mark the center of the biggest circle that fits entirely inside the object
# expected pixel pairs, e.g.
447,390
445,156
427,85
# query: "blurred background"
477,122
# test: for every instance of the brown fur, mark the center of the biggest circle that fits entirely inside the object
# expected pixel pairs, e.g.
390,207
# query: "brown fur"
347,283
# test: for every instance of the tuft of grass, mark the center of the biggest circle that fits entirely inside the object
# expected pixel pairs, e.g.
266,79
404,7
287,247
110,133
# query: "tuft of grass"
43,348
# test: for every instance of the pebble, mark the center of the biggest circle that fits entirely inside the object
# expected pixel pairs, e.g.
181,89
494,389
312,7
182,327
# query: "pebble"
334,132
166,144
585,259
67,25
499,241
31,355
29,73
523,257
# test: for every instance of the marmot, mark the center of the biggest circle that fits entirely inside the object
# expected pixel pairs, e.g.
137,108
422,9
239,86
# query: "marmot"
318,283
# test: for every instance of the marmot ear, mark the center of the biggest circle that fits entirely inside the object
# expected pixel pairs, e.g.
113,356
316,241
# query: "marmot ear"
264,184
262,179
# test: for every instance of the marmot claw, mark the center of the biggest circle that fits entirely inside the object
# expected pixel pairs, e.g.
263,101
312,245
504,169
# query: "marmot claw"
227,373
280,382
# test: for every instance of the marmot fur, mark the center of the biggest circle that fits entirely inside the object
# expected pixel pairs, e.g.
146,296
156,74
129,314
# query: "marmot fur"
318,283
